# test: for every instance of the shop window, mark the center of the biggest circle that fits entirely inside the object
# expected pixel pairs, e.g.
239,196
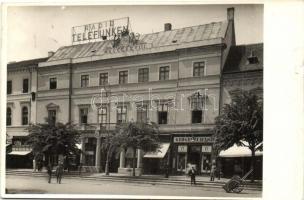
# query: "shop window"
84,81
8,116
103,79
164,73
9,87
162,113
24,116
53,83
143,75
123,77
102,115
83,115
90,152
25,85
142,113
121,114
52,116
198,69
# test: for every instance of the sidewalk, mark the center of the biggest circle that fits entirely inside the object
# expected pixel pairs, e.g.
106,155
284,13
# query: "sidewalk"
199,178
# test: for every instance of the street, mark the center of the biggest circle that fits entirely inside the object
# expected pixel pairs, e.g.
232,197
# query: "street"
28,185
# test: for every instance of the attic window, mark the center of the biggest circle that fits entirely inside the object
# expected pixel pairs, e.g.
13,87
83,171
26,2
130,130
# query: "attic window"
174,41
93,51
252,58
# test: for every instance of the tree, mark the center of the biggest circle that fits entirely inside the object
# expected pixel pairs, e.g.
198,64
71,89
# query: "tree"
137,135
241,123
53,139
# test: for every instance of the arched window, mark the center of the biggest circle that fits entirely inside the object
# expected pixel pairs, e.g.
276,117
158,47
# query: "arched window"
8,116
24,116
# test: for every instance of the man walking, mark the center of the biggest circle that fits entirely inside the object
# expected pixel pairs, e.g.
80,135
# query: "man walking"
49,171
192,174
59,172
212,172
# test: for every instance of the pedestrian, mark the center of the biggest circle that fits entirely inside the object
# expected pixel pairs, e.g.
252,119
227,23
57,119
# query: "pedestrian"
49,171
192,173
212,172
80,168
59,172
34,165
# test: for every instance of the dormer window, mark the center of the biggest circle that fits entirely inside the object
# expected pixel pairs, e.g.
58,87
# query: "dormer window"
252,59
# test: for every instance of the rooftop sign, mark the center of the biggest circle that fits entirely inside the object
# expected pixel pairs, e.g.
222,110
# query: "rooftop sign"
105,30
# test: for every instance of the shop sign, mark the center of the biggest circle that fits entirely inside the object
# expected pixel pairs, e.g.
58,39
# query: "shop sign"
99,31
182,149
193,140
206,149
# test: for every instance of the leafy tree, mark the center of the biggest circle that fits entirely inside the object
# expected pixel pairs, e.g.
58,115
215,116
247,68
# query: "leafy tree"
137,135
241,123
53,139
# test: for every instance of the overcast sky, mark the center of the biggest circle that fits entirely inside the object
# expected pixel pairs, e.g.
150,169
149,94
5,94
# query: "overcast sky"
33,31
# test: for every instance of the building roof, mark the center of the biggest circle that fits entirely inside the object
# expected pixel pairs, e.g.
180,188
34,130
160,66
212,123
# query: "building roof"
157,41
26,63
238,59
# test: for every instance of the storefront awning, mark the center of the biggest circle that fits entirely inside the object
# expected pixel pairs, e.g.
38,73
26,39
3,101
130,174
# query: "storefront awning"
238,151
19,153
159,153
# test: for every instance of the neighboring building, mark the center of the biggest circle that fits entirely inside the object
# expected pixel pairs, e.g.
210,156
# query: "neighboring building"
180,67
21,109
243,70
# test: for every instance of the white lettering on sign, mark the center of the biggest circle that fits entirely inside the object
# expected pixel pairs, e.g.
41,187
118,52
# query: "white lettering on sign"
99,31
182,148
206,149
193,140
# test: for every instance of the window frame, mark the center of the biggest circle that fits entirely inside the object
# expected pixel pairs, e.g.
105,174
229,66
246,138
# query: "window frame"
27,86
140,79
10,116
11,87
49,116
121,113
102,115
127,80
87,81
159,72
204,68
81,115
162,110
142,110
55,78
24,116
107,83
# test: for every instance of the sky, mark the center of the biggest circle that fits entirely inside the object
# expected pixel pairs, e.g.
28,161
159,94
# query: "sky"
33,31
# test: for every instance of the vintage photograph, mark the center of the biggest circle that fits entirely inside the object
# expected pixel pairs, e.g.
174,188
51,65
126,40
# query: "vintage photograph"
143,100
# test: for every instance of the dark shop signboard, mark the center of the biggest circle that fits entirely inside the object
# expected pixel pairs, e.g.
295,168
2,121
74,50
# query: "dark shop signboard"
105,30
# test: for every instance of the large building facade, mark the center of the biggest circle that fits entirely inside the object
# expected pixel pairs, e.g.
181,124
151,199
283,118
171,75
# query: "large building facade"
173,78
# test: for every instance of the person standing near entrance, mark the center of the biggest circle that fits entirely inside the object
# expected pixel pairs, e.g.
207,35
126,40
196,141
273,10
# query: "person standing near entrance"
59,172
192,173
212,171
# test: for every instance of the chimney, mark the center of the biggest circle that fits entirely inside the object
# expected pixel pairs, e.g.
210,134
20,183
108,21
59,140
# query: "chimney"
168,26
51,53
230,14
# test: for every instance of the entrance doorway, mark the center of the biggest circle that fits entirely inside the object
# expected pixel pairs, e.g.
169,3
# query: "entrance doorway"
194,155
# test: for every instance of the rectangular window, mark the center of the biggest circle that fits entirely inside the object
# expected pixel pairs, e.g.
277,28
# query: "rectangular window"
102,115
53,83
162,113
103,79
123,77
164,73
84,81
142,113
121,114
197,108
143,75
83,115
198,69
52,116
25,86
197,116
9,87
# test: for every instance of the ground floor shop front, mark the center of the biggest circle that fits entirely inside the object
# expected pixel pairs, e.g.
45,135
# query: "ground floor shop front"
177,153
